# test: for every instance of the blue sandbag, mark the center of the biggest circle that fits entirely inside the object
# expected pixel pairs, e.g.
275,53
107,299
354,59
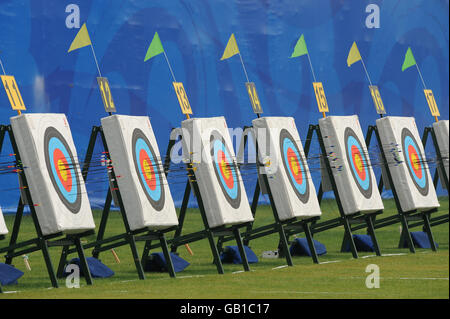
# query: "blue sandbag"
157,263
231,254
300,247
362,243
420,240
9,274
96,267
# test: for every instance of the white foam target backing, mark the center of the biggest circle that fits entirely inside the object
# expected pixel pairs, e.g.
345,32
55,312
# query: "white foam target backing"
53,173
142,182
281,150
407,163
207,144
3,229
442,137
351,166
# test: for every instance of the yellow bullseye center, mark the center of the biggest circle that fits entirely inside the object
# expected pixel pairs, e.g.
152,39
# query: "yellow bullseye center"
358,162
295,168
62,170
225,170
415,162
147,170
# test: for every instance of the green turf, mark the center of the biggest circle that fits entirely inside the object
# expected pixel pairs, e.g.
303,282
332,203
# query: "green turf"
403,275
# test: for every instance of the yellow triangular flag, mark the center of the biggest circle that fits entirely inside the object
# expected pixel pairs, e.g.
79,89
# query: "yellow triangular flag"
353,55
81,40
231,48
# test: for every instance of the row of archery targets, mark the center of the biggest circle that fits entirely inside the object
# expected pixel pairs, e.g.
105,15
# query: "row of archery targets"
52,177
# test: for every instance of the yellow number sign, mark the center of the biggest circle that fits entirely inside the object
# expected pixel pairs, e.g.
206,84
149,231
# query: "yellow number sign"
12,90
377,101
105,92
431,102
254,99
320,97
182,97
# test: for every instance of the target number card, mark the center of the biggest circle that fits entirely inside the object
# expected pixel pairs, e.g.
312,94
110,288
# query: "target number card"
431,102
377,101
105,92
320,97
182,98
12,90
254,99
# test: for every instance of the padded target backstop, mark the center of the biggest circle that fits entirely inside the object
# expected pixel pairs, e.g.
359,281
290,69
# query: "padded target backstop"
207,145
53,174
281,150
351,166
407,163
136,159
3,229
441,130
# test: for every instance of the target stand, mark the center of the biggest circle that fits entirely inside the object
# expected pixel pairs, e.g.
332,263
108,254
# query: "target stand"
130,237
441,172
419,218
208,232
285,227
351,222
41,242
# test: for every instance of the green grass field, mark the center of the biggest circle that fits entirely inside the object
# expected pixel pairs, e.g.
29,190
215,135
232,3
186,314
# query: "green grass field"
424,274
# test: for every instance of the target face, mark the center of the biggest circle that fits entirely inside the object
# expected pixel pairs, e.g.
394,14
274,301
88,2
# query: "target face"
147,169
225,170
414,161
62,169
294,165
358,162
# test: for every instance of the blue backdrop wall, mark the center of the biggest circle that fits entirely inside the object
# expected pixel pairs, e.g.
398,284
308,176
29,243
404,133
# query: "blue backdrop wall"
35,37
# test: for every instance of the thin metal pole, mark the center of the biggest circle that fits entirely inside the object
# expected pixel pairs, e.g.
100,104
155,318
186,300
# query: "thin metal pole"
168,63
420,74
243,66
95,58
3,69
367,74
312,70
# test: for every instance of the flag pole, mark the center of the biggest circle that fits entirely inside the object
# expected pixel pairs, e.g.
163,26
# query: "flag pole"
19,112
243,66
368,77
425,87
95,58
3,69
246,76
314,76
170,68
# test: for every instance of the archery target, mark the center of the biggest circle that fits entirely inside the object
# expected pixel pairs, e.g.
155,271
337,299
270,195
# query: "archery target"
3,229
225,170
350,164
407,163
358,162
50,161
63,169
207,145
142,183
280,147
441,130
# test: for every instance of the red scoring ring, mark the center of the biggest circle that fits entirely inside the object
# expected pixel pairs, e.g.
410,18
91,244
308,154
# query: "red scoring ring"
292,157
412,151
220,159
149,176
361,172
62,169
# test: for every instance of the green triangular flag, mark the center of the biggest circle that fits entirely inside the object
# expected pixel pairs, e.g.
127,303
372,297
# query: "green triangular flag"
409,60
155,47
300,48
